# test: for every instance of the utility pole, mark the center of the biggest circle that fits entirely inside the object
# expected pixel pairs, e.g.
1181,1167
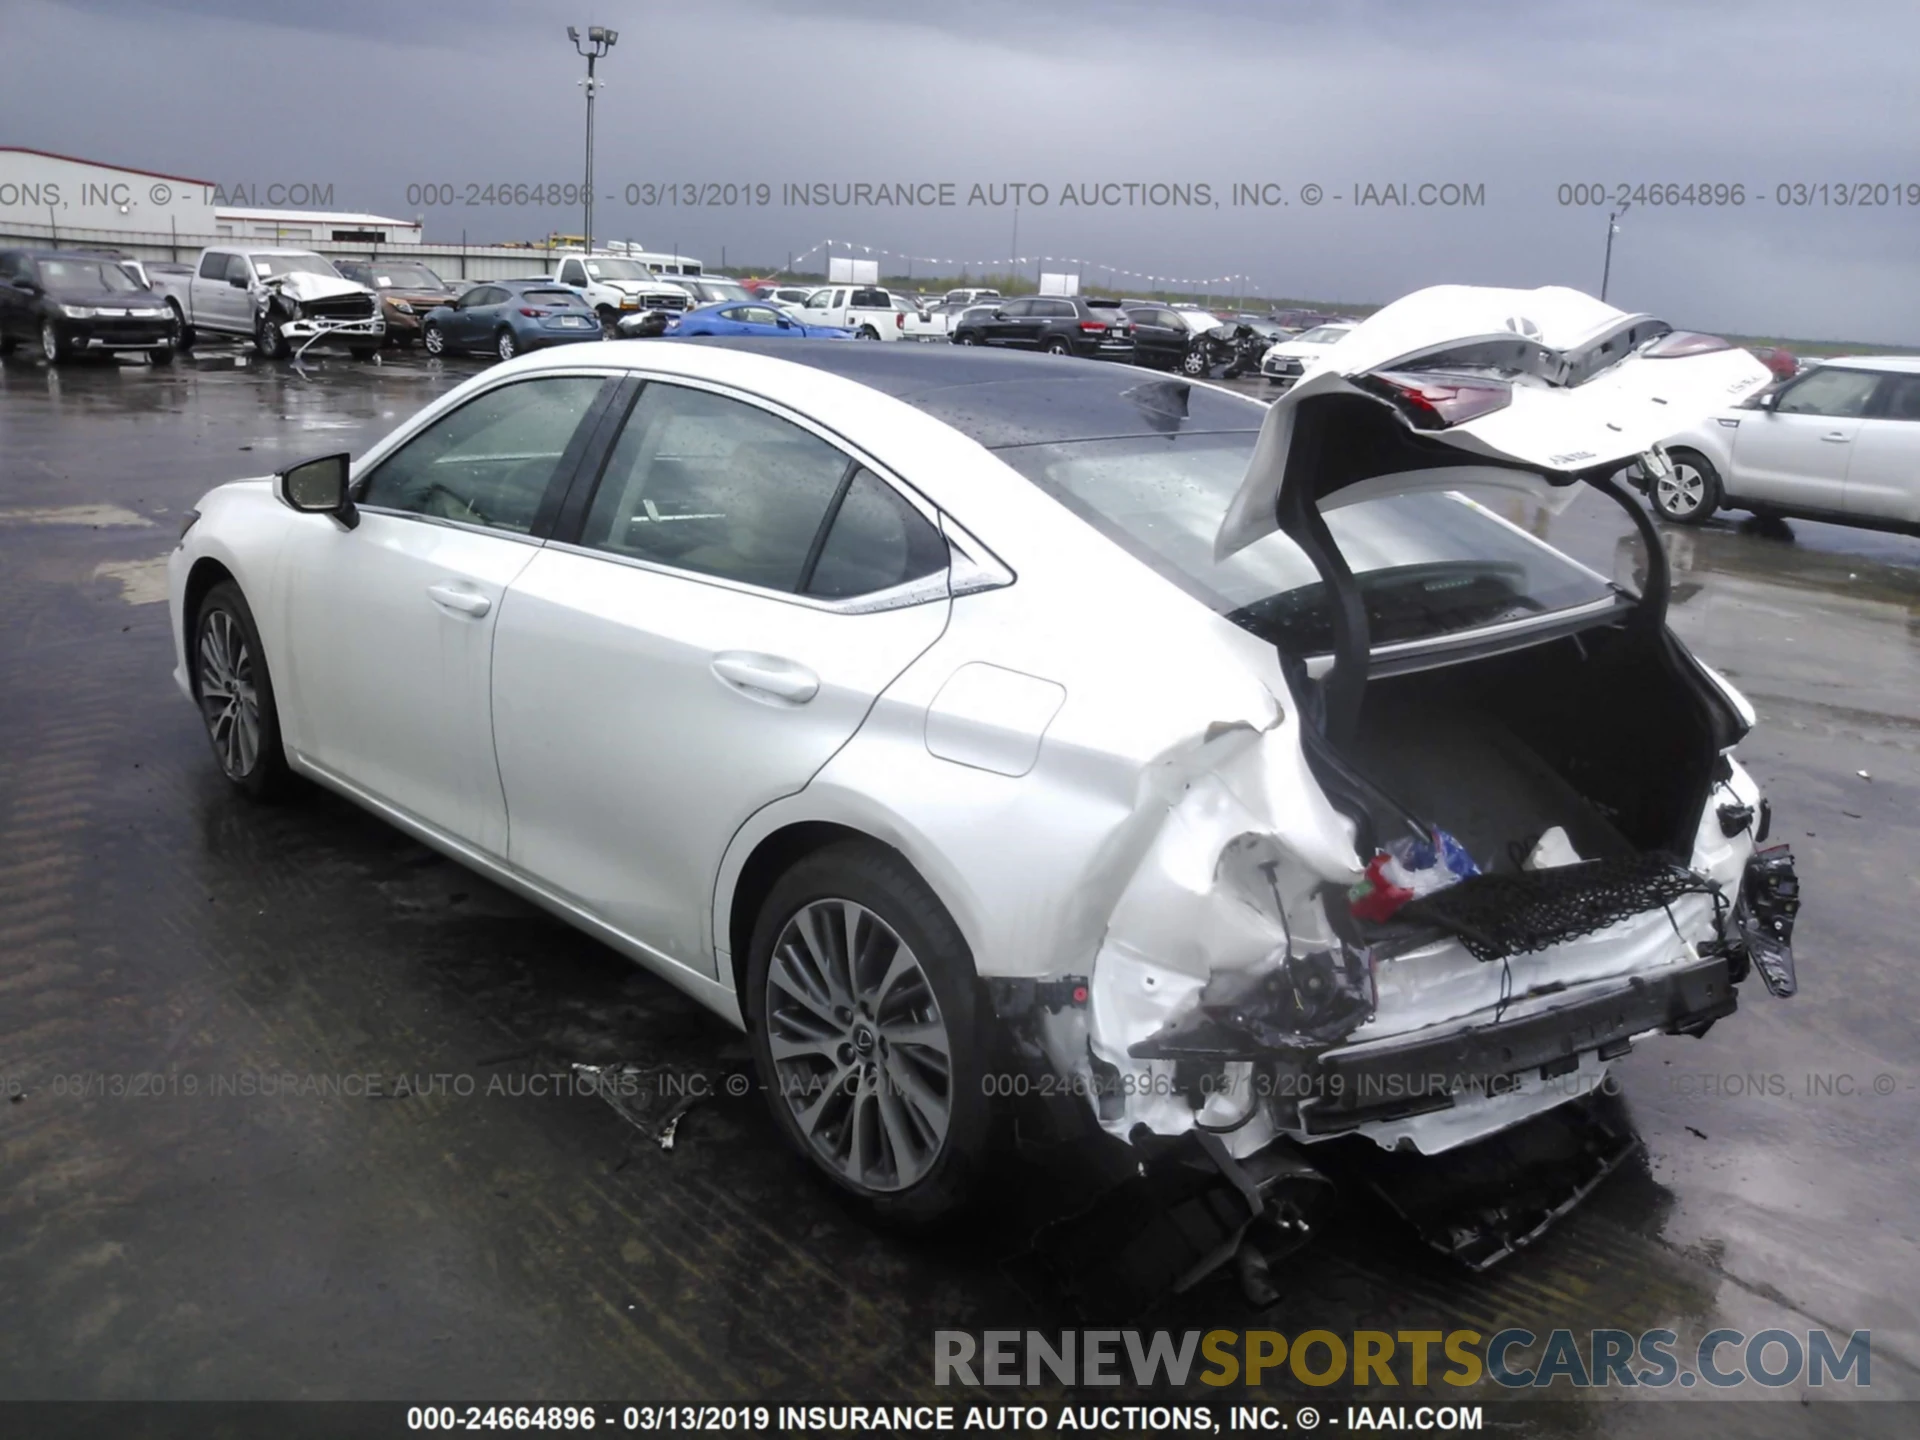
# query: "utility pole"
1613,229
599,41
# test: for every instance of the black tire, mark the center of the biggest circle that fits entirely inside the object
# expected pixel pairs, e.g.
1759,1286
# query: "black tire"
364,352
231,684
1057,346
162,356
183,333
1194,364
965,337
506,344
1691,493
7,343
54,348
433,339
867,332
943,985
269,339
609,321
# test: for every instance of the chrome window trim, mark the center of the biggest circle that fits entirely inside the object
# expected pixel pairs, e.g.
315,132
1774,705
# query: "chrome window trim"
914,592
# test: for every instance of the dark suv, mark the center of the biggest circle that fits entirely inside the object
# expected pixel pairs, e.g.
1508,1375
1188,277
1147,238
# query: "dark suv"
67,302
1054,323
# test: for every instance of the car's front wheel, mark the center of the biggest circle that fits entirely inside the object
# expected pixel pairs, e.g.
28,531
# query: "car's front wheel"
53,345
270,340
434,339
1690,490
235,693
1194,363
867,1029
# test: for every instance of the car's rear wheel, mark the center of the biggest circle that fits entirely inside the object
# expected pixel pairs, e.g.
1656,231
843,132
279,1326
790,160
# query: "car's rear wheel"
505,345
235,693
965,338
1058,346
434,339
1690,491
867,332
867,1030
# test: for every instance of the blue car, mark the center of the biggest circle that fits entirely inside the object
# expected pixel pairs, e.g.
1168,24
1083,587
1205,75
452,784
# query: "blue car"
748,317
506,317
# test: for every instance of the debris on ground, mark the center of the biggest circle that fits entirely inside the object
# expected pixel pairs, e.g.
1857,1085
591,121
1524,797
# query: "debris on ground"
635,1095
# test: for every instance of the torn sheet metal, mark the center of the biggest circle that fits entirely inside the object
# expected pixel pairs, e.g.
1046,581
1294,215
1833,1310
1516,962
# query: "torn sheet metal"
634,1093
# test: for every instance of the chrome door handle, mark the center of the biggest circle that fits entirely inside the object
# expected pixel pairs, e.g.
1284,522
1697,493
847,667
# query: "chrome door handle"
467,602
1837,437
767,674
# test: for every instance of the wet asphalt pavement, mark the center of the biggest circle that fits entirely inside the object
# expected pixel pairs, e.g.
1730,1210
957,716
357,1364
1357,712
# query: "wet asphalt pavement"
168,954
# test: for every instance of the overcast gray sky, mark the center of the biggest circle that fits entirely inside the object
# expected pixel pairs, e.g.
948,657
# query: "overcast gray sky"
1515,97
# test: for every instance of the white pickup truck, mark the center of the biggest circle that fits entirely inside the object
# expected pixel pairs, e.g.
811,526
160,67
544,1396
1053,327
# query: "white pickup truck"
867,310
617,286
285,300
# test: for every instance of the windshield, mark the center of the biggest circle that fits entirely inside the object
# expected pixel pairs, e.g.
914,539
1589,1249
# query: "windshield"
1322,335
268,266
601,269
407,277
723,290
1429,563
87,275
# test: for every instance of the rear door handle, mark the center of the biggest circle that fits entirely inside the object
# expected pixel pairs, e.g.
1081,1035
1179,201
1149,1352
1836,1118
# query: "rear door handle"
767,675
466,602
1837,437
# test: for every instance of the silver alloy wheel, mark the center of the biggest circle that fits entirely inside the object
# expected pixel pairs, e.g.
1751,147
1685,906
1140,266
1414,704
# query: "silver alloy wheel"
860,1050
506,347
49,341
1681,492
228,699
433,340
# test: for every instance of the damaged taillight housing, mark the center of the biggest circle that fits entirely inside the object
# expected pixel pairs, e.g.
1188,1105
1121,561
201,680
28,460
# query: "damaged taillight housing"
1439,402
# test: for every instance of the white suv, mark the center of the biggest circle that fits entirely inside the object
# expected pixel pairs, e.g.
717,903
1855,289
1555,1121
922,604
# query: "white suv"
1837,442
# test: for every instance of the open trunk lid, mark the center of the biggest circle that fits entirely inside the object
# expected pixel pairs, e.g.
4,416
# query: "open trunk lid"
1549,381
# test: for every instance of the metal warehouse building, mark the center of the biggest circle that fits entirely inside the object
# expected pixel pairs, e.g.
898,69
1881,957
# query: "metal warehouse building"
62,201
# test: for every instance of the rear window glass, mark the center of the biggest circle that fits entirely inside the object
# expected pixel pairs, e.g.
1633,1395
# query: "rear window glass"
1429,563
550,297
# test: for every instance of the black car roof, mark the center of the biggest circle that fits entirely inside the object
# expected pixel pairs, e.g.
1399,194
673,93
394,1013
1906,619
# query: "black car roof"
1001,398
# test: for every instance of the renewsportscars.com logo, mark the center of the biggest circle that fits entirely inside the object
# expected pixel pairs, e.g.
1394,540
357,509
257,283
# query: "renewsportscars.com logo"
1515,1358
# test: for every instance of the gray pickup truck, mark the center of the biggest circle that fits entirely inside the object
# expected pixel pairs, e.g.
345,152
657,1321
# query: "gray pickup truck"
284,300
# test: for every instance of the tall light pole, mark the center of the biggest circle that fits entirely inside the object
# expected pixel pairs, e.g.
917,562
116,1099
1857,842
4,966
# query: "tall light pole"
1613,229
599,41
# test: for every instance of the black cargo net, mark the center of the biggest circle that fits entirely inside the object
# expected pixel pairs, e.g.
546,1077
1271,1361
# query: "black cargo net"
1496,916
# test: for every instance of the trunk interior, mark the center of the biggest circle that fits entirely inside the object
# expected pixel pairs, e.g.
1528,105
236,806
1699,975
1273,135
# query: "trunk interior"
1598,733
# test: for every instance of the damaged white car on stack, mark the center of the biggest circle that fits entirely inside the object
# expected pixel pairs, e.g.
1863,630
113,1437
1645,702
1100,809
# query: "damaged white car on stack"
964,724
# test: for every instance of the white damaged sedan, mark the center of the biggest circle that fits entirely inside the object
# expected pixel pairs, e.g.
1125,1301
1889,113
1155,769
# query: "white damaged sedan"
929,711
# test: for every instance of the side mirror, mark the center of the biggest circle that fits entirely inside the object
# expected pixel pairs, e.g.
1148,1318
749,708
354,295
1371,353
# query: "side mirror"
1765,400
999,314
238,282
784,323
319,487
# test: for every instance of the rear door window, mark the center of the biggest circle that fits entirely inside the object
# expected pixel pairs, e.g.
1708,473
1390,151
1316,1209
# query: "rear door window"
705,483
877,541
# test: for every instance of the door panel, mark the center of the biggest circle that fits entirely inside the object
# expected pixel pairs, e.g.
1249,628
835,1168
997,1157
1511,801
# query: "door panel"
641,717
660,678
1797,453
1883,482
390,625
